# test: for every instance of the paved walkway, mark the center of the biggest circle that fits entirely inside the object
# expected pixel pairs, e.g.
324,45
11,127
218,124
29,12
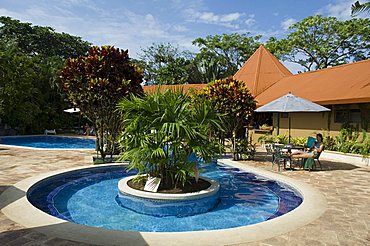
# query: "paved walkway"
346,187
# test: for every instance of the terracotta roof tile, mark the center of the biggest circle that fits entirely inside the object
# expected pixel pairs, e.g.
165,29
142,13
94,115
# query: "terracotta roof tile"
349,83
261,71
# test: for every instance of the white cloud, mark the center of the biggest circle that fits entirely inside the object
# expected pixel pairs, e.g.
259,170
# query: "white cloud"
227,20
250,21
6,12
180,28
341,9
119,27
230,17
287,23
208,17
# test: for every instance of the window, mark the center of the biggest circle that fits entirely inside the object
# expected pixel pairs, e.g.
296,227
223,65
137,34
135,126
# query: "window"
347,116
355,116
341,116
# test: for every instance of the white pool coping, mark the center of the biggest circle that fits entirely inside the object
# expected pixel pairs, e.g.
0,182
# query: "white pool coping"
124,188
17,208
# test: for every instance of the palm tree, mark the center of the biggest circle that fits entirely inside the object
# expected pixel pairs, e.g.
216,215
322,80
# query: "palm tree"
161,132
358,7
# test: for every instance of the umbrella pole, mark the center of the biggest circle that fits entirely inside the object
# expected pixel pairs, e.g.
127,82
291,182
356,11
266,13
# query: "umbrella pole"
79,123
289,128
278,124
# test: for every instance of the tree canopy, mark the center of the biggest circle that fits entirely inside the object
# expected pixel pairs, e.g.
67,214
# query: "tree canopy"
233,100
165,64
30,60
229,51
319,42
96,82
39,40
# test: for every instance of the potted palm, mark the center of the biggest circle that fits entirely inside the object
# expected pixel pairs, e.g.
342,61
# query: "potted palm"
164,135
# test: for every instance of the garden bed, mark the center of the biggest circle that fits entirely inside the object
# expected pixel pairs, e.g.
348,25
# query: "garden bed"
192,186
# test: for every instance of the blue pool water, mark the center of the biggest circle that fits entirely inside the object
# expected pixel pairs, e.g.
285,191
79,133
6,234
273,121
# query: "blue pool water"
50,142
88,197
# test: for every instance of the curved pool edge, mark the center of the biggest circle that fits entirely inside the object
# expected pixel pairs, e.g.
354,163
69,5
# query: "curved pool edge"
17,208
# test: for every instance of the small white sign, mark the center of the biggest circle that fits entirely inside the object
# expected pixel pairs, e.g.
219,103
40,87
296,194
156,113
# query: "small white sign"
152,184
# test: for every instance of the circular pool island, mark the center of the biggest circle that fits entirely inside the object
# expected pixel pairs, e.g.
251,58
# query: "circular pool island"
168,204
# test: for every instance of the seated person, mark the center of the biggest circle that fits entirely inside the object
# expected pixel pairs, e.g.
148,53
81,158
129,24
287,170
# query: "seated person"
87,129
317,148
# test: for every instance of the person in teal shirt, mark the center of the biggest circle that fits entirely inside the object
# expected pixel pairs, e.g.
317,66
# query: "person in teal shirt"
313,152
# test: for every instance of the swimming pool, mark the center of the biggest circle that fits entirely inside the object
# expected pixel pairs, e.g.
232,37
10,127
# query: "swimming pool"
49,142
89,197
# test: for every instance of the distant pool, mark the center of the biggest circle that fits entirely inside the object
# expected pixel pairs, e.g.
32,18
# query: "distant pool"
49,142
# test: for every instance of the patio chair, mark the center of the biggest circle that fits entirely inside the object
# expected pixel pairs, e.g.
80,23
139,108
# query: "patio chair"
311,162
278,157
269,151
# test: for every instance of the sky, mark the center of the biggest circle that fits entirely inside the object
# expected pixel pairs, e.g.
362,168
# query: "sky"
136,24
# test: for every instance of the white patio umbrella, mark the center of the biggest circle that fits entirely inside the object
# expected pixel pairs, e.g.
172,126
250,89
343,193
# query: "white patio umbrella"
72,110
291,104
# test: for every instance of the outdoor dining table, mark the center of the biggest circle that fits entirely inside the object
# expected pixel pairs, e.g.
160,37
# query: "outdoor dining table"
286,150
290,148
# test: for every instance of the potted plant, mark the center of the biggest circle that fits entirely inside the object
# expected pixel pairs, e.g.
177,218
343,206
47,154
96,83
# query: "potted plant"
164,134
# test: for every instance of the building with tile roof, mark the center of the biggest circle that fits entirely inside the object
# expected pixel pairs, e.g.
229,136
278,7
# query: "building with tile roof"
345,89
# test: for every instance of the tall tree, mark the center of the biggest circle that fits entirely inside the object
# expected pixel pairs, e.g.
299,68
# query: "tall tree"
165,64
31,58
38,40
229,51
20,98
204,71
358,7
95,83
232,99
319,42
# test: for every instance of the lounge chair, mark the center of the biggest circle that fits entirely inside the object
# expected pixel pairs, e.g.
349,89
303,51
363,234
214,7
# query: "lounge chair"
46,132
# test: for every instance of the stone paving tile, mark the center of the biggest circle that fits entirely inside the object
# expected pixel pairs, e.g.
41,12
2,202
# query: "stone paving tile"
345,186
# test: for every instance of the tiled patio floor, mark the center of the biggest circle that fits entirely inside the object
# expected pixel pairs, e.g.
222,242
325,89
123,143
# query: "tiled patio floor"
346,188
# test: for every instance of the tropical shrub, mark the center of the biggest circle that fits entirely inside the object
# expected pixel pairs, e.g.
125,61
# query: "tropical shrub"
349,140
232,99
95,83
244,149
299,141
282,139
266,138
165,133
